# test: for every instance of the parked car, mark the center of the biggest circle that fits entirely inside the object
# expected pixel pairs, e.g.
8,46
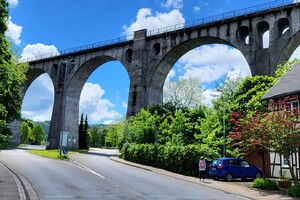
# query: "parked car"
230,168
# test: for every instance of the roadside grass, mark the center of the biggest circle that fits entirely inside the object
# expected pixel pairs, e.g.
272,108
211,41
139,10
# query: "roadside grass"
54,154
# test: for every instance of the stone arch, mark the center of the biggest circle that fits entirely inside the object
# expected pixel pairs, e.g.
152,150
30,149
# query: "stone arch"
159,73
289,48
261,28
31,75
283,25
75,85
243,33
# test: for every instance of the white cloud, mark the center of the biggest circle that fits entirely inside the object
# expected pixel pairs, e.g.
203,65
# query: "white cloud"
93,104
108,121
176,4
14,31
124,104
13,3
146,20
211,62
196,8
208,96
38,49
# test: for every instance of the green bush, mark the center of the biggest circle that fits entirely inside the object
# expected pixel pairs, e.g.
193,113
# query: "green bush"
176,158
265,184
294,191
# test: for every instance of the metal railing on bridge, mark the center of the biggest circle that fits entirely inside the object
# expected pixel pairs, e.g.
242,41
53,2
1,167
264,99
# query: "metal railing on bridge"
221,17
198,22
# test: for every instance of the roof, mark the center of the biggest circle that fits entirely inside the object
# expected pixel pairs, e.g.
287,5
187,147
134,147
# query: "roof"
289,84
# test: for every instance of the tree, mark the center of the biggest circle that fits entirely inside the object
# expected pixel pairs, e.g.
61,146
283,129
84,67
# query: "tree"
142,127
277,130
25,132
184,93
248,95
114,135
38,134
83,133
12,74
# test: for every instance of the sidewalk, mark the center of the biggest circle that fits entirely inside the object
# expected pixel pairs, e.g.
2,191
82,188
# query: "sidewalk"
229,187
8,185
13,186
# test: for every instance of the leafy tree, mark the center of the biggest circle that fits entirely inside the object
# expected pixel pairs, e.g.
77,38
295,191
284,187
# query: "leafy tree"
142,128
38,134
250,91
25,132
114,135
183,93
214,126
12,74
95,136
277,130
282,69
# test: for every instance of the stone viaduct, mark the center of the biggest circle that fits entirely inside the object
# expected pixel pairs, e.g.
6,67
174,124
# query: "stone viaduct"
149,57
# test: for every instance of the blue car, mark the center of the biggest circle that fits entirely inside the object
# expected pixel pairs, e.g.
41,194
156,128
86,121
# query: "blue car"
230,168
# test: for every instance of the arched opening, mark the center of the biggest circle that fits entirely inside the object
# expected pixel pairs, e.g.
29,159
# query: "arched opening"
104,96
262,35
156,48
209,59
204,63
38,102
243,34
128,55
283,25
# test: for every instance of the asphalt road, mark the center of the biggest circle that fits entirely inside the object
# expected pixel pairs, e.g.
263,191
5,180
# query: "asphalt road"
94,176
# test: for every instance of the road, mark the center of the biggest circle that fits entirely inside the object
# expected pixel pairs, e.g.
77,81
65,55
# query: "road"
93,175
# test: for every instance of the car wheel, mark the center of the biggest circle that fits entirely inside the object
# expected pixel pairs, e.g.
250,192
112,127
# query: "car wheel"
257,175
228,177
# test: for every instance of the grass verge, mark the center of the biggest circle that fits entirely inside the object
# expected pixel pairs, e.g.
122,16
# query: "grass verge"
54,154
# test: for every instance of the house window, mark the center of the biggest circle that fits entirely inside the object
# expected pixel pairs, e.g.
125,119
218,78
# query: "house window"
285,161
293,105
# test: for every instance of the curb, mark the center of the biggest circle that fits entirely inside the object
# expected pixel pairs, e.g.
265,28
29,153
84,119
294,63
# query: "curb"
26,191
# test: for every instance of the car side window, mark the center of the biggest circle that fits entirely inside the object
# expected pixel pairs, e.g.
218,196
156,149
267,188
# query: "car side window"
233,162
245,164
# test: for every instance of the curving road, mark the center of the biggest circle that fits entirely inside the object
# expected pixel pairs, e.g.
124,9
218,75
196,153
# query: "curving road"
93,175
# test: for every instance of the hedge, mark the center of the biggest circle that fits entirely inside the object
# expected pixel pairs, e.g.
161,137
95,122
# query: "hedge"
179,159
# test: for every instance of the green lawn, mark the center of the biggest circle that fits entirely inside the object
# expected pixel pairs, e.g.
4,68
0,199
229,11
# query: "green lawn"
54,154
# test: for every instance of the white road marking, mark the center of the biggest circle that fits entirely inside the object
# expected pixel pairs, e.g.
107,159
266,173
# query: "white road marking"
80,166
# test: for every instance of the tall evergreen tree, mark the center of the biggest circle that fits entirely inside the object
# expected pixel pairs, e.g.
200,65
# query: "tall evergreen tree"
81,127
85,133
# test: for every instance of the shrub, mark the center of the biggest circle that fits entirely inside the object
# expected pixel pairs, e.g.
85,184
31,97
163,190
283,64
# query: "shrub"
176,158
294,191
265,184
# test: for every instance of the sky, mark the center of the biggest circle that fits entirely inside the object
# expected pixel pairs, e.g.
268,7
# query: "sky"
39,27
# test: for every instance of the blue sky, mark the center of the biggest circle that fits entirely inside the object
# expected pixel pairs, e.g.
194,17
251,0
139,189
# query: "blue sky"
38,27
